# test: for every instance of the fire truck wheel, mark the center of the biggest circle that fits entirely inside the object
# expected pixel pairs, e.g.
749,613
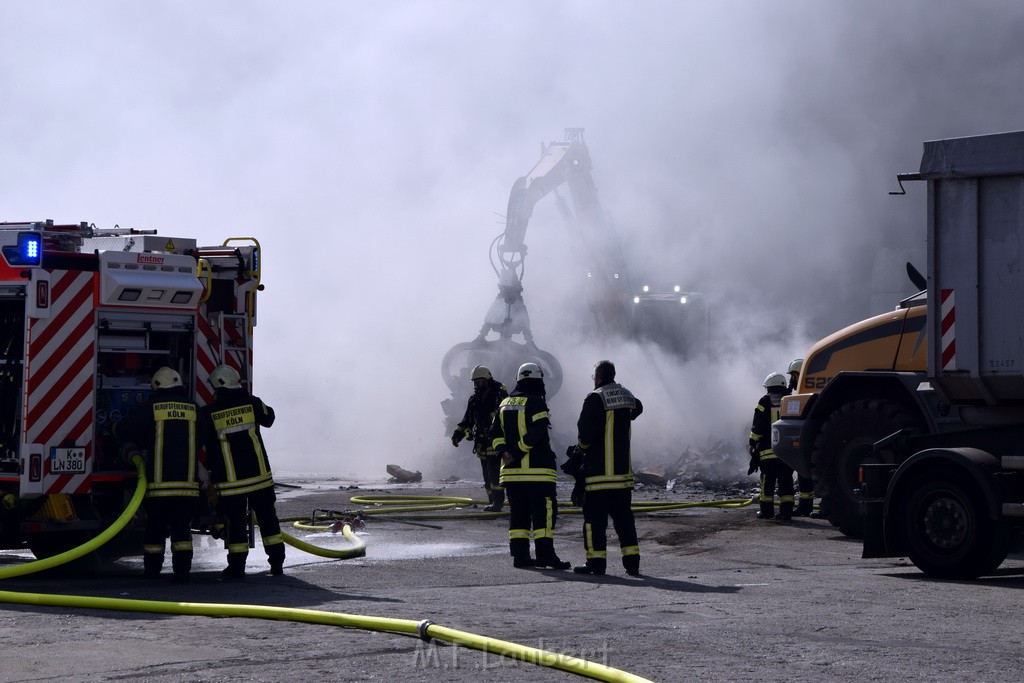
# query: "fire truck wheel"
843,445
945,528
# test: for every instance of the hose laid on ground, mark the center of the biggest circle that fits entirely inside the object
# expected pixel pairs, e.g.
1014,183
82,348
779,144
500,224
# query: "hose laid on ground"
91,544
357,550
424,629
399,507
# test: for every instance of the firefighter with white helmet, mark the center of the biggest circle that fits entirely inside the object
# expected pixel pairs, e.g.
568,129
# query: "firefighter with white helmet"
488,393
520,436
805,485
774,472
167,427
795,366
240,469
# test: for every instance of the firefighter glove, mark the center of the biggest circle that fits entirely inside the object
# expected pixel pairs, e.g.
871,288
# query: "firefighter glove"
458,436
579,493
755,463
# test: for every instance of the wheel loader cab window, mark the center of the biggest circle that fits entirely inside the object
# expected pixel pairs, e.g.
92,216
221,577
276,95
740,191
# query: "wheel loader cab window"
130,295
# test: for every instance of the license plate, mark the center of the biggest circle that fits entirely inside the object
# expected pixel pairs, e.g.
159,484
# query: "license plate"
67,461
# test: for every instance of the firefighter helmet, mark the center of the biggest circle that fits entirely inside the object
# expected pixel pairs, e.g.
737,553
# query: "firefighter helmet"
530,371
165,378
480,372
776,379
796,366
225,376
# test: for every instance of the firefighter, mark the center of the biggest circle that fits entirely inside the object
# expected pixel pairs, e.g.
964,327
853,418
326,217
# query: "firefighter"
773,471
167,427
805,485
476,424
602,460
240,469
520,437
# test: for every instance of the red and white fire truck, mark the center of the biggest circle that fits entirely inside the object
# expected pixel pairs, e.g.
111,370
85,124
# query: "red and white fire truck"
86,316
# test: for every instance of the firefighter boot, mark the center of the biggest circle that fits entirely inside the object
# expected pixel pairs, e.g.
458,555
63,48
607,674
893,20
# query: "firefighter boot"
631,564
546,556
596,566
275,554
181,562
520,550
804,508
785,511
151,565
767,511
235,568
497,501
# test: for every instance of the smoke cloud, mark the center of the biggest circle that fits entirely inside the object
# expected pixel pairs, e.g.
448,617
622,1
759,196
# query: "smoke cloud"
743,149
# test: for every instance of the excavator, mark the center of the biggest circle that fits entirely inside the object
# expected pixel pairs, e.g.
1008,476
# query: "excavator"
505,339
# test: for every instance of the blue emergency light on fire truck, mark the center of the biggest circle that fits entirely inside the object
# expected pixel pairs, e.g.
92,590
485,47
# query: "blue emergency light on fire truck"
22,248
87,315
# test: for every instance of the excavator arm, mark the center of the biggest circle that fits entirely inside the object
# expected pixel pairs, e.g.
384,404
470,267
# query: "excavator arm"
566,162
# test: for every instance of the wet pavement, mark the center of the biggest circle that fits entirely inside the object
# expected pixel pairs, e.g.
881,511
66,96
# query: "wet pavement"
723,596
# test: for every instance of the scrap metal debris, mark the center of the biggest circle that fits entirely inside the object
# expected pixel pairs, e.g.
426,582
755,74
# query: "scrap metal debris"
403,476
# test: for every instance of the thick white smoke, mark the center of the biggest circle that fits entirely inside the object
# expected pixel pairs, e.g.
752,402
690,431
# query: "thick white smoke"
745,148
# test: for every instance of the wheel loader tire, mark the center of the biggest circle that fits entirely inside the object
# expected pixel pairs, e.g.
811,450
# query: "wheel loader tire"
843,444
946,530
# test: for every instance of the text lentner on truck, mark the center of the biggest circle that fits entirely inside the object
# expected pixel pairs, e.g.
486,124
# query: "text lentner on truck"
86,316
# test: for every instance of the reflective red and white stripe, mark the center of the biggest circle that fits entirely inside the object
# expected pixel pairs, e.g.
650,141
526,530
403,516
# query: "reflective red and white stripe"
948,329
210,352
60,370
207,355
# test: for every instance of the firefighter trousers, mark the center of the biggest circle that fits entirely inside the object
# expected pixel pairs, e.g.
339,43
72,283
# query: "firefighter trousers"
490,466
805,485
775,473
598,506
532,511
168,515
235,508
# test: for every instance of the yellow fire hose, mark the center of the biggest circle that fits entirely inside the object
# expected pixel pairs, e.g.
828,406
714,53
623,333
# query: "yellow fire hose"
424,629
92,544
400,506
358,548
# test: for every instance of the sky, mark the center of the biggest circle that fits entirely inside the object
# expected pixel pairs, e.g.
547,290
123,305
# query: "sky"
744,149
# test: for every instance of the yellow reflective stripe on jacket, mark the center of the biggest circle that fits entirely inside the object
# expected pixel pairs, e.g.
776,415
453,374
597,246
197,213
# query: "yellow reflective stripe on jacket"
240,486
163,412
609,441
511,475
160,489
610,482
232,421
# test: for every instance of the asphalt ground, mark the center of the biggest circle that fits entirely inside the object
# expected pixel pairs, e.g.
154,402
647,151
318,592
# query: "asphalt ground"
722,597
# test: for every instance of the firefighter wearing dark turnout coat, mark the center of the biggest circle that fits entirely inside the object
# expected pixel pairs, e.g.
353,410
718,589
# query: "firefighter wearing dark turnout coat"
520,436
167,427
476,426
774,472
241,471
602,464
805,485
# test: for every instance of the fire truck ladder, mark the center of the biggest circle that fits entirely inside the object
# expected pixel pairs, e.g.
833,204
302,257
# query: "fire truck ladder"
235,333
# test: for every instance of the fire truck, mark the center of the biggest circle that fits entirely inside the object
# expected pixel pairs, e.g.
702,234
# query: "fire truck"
86,316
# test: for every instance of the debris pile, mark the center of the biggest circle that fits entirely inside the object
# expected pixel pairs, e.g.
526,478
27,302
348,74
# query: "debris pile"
403,476
718,465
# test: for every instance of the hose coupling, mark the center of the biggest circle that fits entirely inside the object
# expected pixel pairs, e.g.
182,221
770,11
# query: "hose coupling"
422,629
